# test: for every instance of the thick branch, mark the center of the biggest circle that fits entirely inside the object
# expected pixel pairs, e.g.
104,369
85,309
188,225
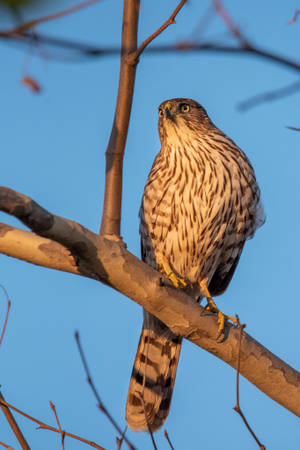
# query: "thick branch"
111,217
35,249
111,263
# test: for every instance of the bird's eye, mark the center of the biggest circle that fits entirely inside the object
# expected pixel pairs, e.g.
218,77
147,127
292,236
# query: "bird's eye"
185,108
160,112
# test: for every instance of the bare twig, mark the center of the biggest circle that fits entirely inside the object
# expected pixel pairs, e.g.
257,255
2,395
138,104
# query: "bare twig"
229,22
6,315
96,394
6,446
120,441
62,433
269,96
295,17
168,439
165,25
32,23
141,395
293,128
13,424
89,51
237,406
44,426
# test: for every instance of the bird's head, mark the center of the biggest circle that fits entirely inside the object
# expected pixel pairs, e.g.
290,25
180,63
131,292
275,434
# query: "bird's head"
181,117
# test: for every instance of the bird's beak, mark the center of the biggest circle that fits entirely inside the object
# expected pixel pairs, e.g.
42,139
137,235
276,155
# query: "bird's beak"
169,113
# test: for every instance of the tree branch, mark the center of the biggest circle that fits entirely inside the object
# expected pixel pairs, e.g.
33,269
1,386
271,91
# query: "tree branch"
37,250
13,424
165,25
65,12
44,426
111,216
92,51
111,263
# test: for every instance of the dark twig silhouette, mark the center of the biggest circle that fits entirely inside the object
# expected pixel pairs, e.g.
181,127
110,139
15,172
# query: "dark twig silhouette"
96,394
62,433
168,439
44,426
6,315
121,440
269,96
237,406
149,427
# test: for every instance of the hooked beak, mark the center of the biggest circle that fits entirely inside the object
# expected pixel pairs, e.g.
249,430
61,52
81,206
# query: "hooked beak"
168,113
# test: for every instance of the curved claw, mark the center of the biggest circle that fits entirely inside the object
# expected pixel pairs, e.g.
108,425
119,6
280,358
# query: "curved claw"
211,306
166,270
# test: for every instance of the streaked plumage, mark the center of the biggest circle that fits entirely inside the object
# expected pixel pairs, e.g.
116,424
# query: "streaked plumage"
201,202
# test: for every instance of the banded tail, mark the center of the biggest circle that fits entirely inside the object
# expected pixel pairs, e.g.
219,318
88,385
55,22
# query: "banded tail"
153,376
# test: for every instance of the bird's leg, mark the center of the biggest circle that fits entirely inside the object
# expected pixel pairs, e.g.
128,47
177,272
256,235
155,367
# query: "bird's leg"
166,270
211,306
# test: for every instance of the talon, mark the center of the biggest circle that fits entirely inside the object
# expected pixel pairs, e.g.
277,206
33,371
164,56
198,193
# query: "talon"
211,306
168,272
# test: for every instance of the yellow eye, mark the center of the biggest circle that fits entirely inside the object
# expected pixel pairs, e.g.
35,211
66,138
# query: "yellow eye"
185,108
160,112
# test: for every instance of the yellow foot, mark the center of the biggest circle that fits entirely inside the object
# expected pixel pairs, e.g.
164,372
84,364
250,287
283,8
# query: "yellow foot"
211,306
166,270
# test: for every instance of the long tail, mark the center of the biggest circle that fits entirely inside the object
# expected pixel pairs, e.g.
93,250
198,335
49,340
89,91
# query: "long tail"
153,376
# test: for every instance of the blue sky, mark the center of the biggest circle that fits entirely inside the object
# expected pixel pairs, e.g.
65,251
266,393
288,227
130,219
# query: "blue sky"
53,148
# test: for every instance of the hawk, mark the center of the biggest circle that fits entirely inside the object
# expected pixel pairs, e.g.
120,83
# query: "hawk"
200,204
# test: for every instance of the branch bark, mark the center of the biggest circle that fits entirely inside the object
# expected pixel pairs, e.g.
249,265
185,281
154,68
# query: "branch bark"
111,216
109,262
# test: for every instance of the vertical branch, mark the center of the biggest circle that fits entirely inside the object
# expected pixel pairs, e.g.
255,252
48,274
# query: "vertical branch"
111,218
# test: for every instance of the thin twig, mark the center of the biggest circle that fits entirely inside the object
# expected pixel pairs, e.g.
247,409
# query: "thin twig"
44,426
237,406
87,51
165,25
168,439
13,424
65,12
6,446
293,128
229,22
6,315
295,17
62,433
120,441
141,395
96,394
269,96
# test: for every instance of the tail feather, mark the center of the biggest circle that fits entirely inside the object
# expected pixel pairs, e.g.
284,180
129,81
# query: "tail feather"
153,376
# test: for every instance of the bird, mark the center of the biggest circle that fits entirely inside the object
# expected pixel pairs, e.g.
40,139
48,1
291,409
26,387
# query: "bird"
200,204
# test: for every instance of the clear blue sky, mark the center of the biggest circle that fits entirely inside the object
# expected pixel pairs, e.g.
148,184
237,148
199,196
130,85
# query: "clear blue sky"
53,148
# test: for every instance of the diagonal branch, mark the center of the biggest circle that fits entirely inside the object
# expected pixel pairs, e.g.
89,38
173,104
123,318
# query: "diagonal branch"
32,23
229,22
111,263
37,250
165,25
13,424
96,394
44,426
